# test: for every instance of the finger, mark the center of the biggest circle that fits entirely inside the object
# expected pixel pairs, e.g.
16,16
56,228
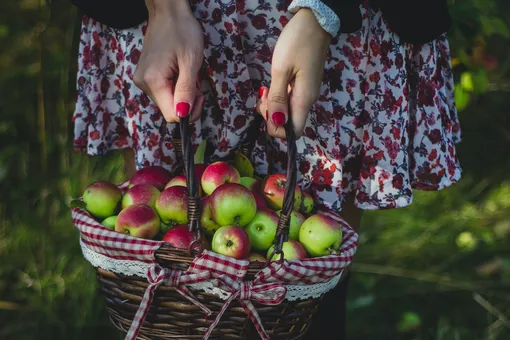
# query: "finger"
198,107
304,94
278,106
185,88
163,97
261,104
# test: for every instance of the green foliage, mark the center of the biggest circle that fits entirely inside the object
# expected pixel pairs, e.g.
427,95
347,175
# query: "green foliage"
439,269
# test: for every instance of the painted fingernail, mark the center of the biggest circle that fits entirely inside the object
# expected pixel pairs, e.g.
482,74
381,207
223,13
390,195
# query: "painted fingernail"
182,109
261,92
278,118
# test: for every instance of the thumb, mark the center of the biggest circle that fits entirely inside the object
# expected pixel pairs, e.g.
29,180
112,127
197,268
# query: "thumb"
278,104
185,92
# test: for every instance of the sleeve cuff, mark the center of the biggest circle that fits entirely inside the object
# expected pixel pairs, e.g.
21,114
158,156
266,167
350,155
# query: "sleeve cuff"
328,19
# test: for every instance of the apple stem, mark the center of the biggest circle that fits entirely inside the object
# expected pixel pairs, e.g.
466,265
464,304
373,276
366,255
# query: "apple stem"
236,220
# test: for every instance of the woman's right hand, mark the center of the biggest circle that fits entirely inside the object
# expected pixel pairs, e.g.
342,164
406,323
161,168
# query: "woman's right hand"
171,58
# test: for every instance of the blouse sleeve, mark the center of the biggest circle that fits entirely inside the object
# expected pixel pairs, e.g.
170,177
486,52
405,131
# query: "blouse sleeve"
326,17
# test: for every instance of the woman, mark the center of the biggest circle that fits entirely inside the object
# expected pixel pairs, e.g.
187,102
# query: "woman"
368,86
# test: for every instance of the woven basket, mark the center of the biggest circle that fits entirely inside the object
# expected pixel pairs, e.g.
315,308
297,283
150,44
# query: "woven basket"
171,316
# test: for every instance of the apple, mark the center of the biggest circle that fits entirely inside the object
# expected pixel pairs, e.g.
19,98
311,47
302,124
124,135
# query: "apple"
232,204
102,199
180,237
273,189
179,180
292,250
172,205
306,203
141,193
296,221
262,229
321,235
250,183
139,220
207,223
231,241
255,257
109,222
156,176
218,173
260,201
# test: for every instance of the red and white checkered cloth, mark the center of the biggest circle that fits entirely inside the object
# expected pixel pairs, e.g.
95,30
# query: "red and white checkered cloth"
268,287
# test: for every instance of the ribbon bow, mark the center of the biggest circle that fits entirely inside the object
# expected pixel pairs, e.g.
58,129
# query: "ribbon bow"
245,292
178,279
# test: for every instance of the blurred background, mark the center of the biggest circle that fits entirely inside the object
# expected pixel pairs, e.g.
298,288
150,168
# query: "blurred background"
439,269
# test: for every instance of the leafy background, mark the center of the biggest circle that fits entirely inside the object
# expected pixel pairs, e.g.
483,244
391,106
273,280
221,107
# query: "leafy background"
439,269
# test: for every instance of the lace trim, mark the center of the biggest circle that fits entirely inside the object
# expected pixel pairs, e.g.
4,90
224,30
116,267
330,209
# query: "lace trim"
140,269
328,19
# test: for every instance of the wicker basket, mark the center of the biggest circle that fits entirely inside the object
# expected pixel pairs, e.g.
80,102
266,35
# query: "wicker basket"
172,316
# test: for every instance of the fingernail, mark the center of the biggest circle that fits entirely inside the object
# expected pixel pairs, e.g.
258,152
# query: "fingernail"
261,92
182,109
278,118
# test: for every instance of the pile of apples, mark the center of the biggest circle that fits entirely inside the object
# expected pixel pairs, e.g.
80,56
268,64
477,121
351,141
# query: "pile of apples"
239,215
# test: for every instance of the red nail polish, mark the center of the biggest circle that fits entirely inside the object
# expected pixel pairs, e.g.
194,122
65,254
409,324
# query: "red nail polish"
278,118
182,109
261,92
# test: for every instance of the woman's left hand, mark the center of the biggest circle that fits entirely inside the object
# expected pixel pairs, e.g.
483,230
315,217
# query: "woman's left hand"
296,74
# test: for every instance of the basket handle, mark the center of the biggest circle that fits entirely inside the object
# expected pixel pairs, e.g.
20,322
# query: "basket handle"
191,184
282,231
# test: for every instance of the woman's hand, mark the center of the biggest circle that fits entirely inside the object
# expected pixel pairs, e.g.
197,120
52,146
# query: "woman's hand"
296,73
171,58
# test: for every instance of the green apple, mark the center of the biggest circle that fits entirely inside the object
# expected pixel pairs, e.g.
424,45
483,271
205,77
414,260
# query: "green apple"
109,222
102,199
172,205
262,229
232,205
306,203
207,223
296,221
321,235
292,250
250,183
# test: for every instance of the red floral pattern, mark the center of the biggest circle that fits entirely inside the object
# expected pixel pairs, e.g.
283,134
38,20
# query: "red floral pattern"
385,122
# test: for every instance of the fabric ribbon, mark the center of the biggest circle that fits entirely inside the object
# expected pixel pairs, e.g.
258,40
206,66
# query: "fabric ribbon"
245,292
156,276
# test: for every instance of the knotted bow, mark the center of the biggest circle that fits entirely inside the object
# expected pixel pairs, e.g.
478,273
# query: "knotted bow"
245,292
178,279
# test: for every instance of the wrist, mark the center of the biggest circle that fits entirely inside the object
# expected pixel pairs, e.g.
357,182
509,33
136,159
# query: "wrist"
167,7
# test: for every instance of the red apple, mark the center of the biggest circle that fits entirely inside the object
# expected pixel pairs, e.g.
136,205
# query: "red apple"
156,176
102,199
180,237
172,206
273,189
306,203
251,183
141,194
206,221
232,204
260,201
231,241
321,235
292,250
262,229
255,257
139,220
296,221
179,180
216,174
